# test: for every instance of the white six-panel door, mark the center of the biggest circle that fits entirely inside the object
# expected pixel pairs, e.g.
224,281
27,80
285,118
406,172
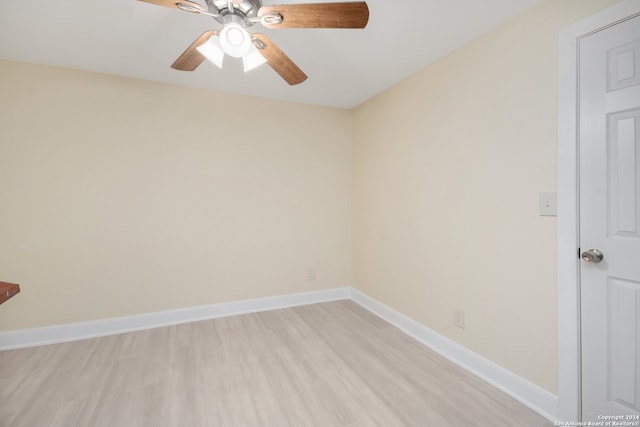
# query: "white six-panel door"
609,133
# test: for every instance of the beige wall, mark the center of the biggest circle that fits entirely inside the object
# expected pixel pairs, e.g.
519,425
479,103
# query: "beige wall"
448,166
121,197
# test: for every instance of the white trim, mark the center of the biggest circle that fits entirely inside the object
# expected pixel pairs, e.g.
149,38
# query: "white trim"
525,392
98,328
568,221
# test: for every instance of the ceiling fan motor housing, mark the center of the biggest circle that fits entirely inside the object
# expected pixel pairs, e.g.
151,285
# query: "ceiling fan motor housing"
242,8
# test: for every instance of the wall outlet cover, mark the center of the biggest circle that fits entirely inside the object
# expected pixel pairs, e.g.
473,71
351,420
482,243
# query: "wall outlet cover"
458,318
548,204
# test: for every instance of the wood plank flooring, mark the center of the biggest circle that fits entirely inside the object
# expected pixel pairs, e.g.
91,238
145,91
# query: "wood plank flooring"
329,364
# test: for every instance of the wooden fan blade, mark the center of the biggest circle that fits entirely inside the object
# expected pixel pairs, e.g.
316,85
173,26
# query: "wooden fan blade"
279,61
191,58
173,4
319,15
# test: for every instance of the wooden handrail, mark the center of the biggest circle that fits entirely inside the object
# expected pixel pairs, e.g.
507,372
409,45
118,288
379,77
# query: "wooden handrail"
7,290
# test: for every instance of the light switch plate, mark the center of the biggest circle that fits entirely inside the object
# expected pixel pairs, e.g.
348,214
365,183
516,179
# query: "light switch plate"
548,204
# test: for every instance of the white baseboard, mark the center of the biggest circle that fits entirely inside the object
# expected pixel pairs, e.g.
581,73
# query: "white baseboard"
97,328
527,393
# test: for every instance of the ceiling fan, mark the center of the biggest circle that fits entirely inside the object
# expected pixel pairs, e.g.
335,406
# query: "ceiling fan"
254,48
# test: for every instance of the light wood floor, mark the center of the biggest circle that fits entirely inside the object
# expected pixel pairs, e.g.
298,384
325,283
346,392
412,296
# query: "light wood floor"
330,364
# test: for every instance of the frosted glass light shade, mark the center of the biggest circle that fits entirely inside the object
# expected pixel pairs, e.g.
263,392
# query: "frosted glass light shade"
212,51
235,40
253,59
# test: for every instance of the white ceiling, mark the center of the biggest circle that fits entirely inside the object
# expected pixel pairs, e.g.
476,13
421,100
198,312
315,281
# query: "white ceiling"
345,67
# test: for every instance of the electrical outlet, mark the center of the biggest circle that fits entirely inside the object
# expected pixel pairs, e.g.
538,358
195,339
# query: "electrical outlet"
458,318
311,274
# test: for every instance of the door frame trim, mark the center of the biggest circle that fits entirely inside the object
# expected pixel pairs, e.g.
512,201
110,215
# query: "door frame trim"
568,278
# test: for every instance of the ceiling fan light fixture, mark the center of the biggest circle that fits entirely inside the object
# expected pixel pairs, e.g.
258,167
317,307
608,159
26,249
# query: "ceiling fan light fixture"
255,48
253,59
235,40
212,50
